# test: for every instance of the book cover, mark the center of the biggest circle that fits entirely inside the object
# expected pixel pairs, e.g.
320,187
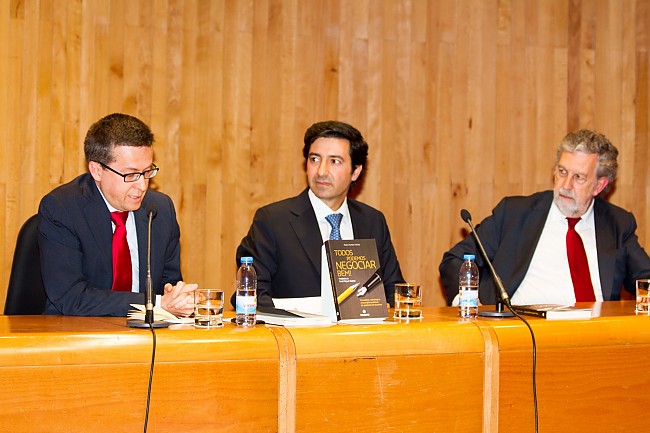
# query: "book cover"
354,271
553,311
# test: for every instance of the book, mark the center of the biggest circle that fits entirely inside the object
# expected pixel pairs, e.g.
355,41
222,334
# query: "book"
289,318
355,276
553,311
159,314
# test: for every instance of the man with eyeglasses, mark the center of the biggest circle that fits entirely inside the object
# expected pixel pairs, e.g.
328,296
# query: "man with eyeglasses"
559,246
93,230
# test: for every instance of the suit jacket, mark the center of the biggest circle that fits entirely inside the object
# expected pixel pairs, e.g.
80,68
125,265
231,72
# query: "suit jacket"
510,236
285,243
75,240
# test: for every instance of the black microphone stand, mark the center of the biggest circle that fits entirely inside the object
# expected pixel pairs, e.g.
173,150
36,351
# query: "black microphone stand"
498,311
500,292
148,322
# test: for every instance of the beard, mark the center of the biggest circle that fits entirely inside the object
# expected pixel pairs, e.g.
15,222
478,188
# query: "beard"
568,203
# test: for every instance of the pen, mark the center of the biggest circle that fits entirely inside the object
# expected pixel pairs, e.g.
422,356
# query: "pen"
368,285
372,282
350,290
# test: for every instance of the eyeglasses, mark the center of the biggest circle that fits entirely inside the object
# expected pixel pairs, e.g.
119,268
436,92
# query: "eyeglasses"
134,177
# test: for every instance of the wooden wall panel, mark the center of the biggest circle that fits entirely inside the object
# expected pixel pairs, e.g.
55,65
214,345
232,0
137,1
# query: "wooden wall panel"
461,101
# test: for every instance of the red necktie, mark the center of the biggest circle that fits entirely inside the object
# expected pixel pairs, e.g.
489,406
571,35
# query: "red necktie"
578,264
121,255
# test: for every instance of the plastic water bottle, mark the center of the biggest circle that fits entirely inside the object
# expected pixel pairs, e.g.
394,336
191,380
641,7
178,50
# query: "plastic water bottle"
468,288
246,303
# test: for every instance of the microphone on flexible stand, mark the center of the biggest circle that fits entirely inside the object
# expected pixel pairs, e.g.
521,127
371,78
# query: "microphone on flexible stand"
501,294
149,302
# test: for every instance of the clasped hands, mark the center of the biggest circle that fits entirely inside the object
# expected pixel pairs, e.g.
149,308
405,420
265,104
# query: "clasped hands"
179,299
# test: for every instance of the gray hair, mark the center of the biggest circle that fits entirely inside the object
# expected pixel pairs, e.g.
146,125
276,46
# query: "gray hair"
588,141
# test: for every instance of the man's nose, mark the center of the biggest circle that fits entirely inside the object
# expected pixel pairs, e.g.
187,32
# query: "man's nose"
322,168
567,182
141,184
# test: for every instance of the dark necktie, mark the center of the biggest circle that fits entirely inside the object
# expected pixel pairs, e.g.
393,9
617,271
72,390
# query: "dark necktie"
335,221
578,264
121,255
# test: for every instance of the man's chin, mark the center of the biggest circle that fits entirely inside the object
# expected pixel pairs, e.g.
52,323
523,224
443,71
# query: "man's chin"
132,207
567,210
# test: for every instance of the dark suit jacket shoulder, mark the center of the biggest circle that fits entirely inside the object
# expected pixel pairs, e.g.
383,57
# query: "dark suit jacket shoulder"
510,236
285,243
75,238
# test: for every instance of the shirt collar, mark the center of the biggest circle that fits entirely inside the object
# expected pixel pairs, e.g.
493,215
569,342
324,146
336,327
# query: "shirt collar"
110,208
322,210
586,220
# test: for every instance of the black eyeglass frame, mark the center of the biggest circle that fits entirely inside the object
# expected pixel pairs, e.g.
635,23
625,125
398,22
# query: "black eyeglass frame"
153,171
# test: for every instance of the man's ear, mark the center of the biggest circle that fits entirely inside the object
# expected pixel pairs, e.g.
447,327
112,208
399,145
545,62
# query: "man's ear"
356,172
601,183
95,170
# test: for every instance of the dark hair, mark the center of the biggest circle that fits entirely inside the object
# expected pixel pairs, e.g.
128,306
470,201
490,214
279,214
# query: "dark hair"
588,141
336,129
116,129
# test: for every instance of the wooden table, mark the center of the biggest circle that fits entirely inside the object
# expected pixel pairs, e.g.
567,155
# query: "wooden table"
591,374
439,375
90,374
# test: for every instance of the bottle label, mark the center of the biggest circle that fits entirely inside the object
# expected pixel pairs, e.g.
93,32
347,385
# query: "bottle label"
468,297
246,305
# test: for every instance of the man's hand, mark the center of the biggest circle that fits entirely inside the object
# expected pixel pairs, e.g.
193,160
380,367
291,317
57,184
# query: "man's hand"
179,299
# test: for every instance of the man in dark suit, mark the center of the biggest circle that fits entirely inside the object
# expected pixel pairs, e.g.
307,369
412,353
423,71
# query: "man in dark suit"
286,237
76,230
527,237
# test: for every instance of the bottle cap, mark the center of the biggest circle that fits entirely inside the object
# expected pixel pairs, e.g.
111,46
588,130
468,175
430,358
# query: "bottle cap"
247,260
465,257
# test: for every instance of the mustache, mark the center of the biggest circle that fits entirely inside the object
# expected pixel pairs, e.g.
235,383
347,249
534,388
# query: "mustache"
566,192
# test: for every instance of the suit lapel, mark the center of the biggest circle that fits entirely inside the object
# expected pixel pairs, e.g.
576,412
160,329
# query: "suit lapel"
304,223
95,210
361,231
605,246
141,228
532,228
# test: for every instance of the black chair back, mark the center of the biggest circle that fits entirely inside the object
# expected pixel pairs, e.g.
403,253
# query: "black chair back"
26,293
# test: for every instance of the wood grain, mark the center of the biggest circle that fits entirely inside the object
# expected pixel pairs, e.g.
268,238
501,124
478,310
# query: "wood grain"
462,103
440,374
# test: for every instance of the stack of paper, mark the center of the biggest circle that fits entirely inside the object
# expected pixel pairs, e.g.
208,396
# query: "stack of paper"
288,318
159,314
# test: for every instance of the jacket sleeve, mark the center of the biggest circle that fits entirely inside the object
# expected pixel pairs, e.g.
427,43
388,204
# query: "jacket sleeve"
259,244
489,230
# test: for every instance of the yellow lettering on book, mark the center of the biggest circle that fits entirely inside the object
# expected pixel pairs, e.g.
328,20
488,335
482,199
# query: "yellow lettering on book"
358,264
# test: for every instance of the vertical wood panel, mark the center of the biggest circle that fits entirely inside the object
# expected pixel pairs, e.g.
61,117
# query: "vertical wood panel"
462,102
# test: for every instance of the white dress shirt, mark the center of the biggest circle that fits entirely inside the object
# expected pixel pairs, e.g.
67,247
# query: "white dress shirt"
322,210
548,279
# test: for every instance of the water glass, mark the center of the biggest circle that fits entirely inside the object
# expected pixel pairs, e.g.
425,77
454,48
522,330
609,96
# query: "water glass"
642,287
208,308
408,301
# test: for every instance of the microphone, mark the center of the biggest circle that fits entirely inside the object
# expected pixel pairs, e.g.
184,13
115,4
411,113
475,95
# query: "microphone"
501,294
152,210
149,301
